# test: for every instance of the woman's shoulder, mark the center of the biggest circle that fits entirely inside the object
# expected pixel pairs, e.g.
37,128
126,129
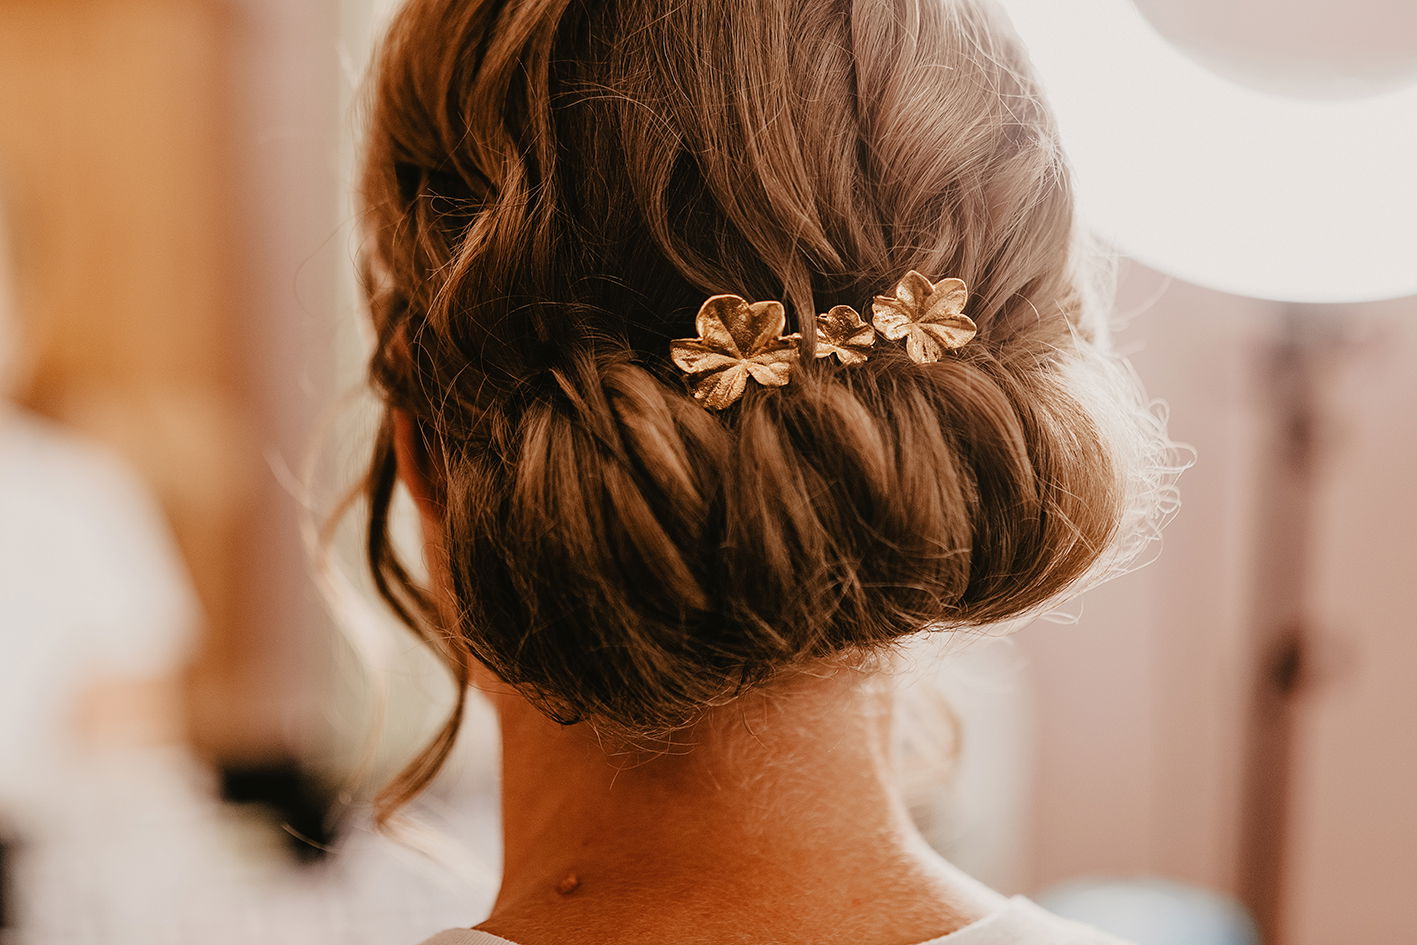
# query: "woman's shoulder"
1019,921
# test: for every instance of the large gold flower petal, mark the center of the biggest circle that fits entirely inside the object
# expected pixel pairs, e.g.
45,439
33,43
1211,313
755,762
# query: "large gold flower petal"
772,367
760,326
951,331
695,357
928,341
947,298
719,389
842,332
716,321
891,317
913,291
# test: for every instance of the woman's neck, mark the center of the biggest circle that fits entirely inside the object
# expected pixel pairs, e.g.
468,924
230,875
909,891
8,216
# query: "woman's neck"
776,819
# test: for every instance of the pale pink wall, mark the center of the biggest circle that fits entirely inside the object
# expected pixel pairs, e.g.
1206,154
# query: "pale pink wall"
1354,861
286,76
1140,706
1138,703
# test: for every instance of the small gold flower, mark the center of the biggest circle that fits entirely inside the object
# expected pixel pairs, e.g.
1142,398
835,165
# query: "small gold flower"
737,340
929,317
842,332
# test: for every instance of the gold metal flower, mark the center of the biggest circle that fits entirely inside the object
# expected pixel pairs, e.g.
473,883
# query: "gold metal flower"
737,340
842,332
930,317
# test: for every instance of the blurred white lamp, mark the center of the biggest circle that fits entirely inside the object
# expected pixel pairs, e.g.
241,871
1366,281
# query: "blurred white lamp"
1222,184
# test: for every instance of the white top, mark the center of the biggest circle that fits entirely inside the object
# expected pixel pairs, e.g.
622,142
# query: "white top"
1020,921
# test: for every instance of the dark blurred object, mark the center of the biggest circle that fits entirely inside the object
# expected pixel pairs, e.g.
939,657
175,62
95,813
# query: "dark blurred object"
295,800
7,855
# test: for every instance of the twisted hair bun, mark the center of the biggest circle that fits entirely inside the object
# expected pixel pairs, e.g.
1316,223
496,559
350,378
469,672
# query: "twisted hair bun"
551,188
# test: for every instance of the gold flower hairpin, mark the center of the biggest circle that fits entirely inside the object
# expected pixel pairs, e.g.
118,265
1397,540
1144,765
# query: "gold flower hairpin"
841,332
929,316
741,340
737,340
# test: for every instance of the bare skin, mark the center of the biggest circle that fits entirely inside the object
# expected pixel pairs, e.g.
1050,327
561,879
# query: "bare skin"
777,821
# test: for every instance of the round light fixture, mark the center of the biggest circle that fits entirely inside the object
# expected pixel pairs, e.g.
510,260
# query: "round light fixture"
1222,184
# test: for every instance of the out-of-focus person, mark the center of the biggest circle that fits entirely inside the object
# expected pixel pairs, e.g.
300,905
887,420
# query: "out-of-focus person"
97,616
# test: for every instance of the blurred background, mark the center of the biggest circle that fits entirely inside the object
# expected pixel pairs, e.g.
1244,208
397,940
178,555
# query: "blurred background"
1218,749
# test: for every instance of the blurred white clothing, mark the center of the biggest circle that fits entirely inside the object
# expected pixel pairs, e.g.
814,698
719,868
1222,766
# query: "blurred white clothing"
91,588
1019,922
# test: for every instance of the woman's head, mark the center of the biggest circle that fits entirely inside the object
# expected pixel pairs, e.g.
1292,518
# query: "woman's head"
551,189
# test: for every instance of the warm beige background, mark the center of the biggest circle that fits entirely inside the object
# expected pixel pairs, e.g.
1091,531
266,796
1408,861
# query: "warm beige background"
168,166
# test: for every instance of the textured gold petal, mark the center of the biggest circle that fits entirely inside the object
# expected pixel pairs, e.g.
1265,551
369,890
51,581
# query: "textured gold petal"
890,317
695,357
913,290
760,326
952,331
850,355
863,337
721,389
772,368
947,298
922,347
720,322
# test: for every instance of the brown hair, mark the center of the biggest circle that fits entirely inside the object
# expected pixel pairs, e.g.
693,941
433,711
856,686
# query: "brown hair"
552,187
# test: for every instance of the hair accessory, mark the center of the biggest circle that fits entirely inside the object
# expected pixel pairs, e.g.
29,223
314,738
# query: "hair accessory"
841,332
930,317
737,340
